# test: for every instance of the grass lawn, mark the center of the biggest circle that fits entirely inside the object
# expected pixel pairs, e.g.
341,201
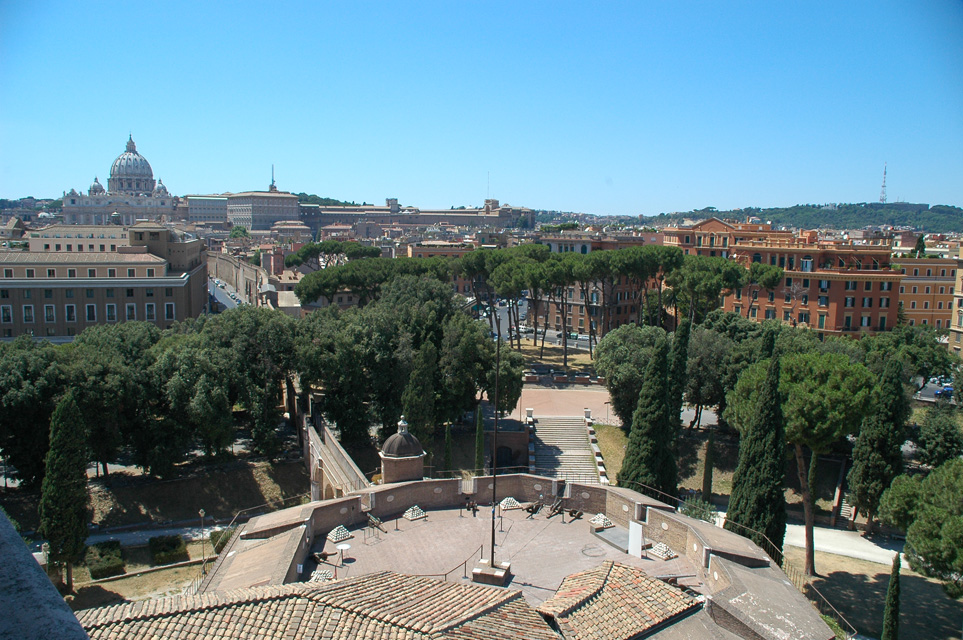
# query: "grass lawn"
858,590
221,491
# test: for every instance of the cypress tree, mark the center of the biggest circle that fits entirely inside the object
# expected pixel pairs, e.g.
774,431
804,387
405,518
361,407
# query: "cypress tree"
650,455
707,471
877,456
677,369
64,500
757,499
479,440
891,613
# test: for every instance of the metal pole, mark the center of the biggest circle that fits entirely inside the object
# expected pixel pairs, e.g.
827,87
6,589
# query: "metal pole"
203,549
498,353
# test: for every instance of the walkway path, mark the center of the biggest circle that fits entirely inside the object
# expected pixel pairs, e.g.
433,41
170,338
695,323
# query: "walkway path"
852,544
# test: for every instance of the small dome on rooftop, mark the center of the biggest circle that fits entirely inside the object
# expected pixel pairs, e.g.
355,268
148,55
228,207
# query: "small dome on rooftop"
402,444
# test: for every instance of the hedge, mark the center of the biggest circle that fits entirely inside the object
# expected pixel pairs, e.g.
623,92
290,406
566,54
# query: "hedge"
167,550
221,537
104,560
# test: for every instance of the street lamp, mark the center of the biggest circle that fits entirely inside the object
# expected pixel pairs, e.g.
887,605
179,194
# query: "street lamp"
203,550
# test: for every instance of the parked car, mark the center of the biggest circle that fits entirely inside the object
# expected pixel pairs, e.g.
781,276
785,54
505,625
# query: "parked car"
946,392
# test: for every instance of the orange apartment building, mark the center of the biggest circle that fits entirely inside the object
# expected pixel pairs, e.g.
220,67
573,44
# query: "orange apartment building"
927,290
835,288
579,315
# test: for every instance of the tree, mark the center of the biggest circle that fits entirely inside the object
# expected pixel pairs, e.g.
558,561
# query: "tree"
32,375
919,251
677,371
448,457
707,470
824,399
891,613
757,500
418,398
479,440
237,231
931,512
64,502
878,455
701,281
650,455
940,439
761,276
621,359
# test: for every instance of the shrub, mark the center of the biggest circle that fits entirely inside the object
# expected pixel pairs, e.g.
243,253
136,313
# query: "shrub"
699,509
104,560
167,550
221,538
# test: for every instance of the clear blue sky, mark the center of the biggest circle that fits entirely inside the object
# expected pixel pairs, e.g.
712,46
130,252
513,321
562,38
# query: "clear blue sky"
601,107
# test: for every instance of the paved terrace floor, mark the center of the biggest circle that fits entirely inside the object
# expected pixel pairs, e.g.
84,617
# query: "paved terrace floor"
542,551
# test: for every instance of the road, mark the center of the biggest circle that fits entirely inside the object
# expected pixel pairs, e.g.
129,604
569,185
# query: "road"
221,295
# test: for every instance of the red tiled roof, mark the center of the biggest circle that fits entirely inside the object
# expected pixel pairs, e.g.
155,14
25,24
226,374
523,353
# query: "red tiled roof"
380,605
613,602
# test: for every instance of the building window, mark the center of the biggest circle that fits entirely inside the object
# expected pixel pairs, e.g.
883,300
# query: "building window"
70,313
130,273
929,272
850,285
8,273
913,304
91,273
131,311
130,293
4,294
916,272
864,321
868,286
805,299
770,314
824,285
883,303
926,305
49,315
149,312
109,293
150,293
804,317
850,302
111,273
752,312
942,290
90,293
786,315
823,301
885,286
28,313
915,289
822,321
926,290
111,313
51,273
6,314
867,303
48,294
71,273
788,297
68,293
168,292
150,273
169,312
902,289
805,283
91,313
772,296
788,282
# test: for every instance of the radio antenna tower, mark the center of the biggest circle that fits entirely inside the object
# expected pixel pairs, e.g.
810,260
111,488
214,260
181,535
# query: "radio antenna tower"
882,193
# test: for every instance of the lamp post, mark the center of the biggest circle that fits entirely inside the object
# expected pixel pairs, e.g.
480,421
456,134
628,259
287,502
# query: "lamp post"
203,549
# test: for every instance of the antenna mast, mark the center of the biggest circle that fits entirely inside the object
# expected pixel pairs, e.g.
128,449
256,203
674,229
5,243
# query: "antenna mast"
882,193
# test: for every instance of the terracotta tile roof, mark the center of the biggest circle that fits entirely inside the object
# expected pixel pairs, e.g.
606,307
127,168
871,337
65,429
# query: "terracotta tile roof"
614,601
377,606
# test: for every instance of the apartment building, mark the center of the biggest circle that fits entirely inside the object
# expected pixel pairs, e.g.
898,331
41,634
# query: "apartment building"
835,288
926,290
55,294
715,237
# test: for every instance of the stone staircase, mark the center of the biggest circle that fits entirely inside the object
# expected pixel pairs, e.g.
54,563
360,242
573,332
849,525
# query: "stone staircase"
562,450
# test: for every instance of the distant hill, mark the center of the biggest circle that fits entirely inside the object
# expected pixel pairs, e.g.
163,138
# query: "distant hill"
310,198
936,219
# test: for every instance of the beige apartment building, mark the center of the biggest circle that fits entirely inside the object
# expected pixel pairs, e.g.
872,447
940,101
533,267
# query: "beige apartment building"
53,294
926,290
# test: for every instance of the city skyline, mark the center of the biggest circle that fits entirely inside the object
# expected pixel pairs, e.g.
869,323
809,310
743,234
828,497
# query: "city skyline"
637,109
